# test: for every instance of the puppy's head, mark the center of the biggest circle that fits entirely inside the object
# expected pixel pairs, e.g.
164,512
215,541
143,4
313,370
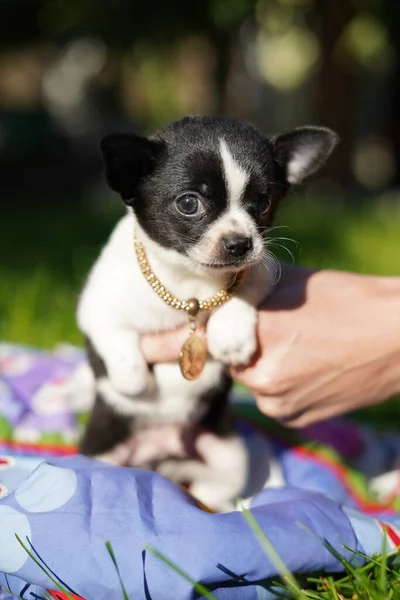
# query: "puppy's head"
207,187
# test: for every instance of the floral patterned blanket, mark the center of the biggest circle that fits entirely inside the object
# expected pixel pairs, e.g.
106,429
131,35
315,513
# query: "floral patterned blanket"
337,482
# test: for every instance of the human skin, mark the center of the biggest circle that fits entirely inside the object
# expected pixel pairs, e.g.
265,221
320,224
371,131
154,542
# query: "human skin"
329,343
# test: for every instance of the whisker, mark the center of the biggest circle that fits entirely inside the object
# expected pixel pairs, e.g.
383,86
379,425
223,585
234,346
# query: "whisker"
272,240
269,229
287,250
188,238
270,260
277,183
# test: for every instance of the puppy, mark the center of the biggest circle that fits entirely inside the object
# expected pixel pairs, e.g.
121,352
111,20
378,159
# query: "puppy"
200,194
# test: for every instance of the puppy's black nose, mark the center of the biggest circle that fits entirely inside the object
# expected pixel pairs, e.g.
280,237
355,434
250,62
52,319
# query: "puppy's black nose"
237,245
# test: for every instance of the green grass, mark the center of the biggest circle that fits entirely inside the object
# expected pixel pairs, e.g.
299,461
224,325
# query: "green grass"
45,253
361,238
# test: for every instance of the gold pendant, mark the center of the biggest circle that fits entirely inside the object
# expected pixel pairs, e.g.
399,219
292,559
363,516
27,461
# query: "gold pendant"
193,354
193,357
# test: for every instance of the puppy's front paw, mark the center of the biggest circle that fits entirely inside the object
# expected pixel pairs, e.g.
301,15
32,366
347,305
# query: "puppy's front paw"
128,375
231,333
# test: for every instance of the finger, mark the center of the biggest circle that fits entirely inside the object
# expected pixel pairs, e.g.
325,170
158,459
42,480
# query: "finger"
165,346
307,418
318,413
245,373
284,407
298,419
274,407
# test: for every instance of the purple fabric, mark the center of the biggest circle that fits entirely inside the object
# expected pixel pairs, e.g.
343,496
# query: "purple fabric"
65,509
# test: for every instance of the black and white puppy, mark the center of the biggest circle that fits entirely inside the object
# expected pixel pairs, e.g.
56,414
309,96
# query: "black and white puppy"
201,193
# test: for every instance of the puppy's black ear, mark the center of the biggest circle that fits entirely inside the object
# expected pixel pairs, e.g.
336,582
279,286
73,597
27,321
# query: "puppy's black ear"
128,158
303,151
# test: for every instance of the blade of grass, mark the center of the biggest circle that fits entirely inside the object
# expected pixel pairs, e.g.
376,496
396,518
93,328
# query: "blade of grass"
332,587
112,555
310,594
283,570
373,560
382,581
35,560
306,593
201,589
6,591
349,567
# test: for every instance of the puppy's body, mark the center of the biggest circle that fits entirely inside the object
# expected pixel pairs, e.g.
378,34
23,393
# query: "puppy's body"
116,307
202,192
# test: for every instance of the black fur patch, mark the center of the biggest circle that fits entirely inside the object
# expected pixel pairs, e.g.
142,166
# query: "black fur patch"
150,173
187,158
105,428
96,362
214,413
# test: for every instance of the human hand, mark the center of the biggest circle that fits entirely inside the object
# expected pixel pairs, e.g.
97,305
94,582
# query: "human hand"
328,344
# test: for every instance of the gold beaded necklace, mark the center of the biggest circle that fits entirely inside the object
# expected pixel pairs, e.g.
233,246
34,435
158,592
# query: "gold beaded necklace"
193,354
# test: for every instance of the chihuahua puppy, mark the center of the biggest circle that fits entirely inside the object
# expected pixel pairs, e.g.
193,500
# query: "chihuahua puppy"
200,194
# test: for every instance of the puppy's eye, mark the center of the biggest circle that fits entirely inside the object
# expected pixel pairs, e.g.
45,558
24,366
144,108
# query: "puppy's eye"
189,204
264,205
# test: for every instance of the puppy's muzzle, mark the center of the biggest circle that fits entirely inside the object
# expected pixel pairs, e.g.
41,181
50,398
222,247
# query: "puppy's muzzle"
236,246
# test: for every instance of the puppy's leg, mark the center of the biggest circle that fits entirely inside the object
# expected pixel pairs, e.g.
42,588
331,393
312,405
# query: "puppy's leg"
105,430
126,368
118,346
231,330
106,427
222,476
228,459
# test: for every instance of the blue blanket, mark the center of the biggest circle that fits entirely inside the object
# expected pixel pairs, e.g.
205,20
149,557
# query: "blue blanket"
340,484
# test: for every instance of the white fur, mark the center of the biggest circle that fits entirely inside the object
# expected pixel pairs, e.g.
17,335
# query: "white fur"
235,176
220,477
121,403
235,219
231,330
172,400
117,305
299,164
231,333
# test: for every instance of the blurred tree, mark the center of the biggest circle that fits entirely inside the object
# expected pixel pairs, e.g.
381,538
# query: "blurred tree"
393,120
121,24
335,85
143,39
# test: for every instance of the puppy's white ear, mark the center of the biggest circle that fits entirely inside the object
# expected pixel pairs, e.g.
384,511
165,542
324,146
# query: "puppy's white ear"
303,151
128,158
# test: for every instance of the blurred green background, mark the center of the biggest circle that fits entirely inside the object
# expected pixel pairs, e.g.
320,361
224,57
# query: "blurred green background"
72,71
